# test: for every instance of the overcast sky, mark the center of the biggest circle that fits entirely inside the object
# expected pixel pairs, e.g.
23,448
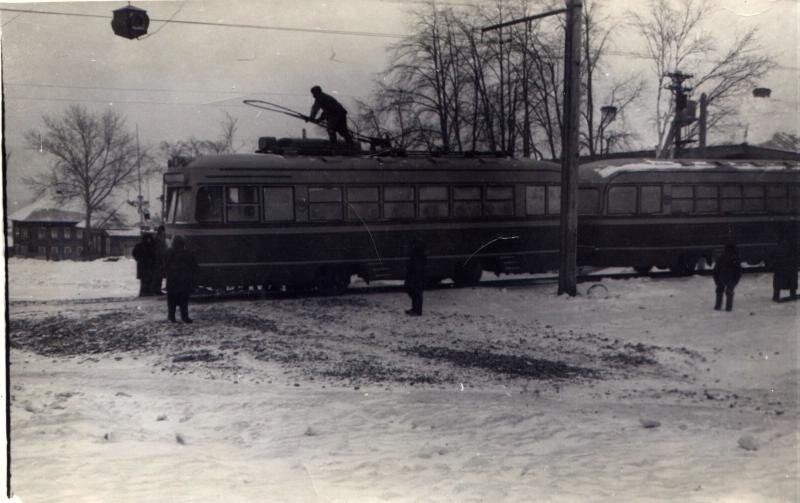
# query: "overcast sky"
180,79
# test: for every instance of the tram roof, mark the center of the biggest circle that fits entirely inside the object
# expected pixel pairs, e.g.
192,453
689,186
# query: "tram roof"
608,167
305,162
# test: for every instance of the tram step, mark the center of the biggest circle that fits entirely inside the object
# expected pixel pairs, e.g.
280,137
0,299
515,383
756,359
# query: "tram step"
510,264
378,271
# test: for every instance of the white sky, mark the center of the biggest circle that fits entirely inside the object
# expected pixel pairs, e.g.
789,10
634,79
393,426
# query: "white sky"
178,81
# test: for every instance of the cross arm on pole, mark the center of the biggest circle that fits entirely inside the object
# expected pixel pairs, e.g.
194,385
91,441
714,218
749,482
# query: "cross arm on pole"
524,20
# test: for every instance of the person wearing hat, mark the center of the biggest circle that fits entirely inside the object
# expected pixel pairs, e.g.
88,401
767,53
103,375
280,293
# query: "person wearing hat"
181,266
333,113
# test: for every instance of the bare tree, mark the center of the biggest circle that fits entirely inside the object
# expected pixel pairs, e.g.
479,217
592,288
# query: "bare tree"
93,156
675,40
194,147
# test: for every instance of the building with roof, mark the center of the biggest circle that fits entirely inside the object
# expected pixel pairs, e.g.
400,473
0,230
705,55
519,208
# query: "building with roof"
58,234
47,233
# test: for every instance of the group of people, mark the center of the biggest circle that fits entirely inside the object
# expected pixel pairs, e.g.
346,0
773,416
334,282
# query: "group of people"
155,262
728,271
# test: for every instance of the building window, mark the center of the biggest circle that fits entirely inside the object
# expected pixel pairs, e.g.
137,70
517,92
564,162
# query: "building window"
362,203
325,203
67,233
278,204
622,200
467,201
242,204
499,201
398,202
433,202
209,204
54,233
54,253
42,232
43,251
24,233
67,252
79,233
79,250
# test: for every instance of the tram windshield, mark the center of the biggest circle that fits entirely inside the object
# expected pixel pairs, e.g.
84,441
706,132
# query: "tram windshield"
178,203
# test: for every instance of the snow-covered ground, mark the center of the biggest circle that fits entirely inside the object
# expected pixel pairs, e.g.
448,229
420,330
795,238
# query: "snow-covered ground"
633,391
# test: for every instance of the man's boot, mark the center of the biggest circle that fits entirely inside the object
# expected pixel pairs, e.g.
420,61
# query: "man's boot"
729,302
718,303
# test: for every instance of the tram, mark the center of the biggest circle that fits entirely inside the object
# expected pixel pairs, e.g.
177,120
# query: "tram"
293,215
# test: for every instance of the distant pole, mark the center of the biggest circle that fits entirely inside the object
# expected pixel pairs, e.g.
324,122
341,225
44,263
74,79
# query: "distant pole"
139,199
567,271
703,122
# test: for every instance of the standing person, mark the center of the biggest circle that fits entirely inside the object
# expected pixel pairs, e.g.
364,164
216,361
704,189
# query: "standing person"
159,260
727,271
415,276
181,266
784,269
144,254
333,113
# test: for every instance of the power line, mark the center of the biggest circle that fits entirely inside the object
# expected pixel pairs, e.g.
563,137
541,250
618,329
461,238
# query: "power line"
221,25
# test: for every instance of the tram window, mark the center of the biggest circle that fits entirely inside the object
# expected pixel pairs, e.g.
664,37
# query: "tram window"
242,204
554,199
278,204
777,199
362,203
682,192
466,202
650,199
587,201
621,200
534,200
209,204
433,202
731,198
398,202
682,199
499,201
706,199
753,191
325,203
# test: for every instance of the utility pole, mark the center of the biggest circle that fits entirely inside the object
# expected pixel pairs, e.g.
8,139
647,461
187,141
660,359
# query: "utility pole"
681,100
568,268
567,271
703,123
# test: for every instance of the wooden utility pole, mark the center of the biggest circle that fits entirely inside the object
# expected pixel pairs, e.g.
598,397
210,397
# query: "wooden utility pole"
568,268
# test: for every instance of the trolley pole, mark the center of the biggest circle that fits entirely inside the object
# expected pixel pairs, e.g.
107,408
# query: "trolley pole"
568,257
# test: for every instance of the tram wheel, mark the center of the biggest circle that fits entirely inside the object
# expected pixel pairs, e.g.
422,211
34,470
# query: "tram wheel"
468,274
684,266
332,281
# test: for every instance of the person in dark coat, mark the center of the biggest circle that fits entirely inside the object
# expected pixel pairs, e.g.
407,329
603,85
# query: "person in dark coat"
415,276
144,254
181,266
784,269
159,260
727,271
333,113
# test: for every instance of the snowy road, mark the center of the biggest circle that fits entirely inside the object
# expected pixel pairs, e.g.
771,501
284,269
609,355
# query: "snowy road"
638,392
